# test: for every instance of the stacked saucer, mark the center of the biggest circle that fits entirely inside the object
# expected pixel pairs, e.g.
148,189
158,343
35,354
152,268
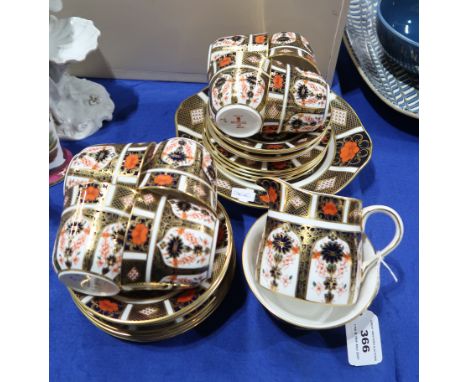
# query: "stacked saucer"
346,150
147,316
270,155
144,247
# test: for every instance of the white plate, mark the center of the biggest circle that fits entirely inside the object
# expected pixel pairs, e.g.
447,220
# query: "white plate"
301,313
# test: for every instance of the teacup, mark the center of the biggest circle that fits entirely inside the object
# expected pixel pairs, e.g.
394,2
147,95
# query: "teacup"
288,47
297,100
183,167
293,48
88,249
312,244
238,93
169,243
110,163
113,237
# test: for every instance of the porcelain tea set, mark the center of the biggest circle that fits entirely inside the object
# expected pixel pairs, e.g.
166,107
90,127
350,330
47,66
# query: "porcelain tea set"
145,247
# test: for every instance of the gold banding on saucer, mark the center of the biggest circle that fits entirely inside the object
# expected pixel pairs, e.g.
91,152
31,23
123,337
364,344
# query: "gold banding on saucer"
158,332
128,312
285,169
143,316
211,132
347,152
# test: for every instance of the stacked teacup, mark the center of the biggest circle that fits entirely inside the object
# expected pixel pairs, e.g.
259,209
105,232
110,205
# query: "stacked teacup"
143,245
268,106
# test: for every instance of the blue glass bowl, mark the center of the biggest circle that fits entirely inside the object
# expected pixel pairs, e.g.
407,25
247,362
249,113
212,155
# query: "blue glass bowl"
398,31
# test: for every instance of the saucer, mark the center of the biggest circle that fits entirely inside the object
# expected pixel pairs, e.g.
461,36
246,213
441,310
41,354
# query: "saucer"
301,313
285,169
395,86
347,154
149,308
158,332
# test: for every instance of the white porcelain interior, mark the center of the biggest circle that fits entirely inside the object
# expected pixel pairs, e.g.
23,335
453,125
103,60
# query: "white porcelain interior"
301,313
239,121
91,284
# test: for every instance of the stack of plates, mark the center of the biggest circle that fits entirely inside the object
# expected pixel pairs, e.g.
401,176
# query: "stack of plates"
323,161
148,316
287,156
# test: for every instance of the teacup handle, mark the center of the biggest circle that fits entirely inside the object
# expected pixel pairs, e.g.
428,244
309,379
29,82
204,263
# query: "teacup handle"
399,230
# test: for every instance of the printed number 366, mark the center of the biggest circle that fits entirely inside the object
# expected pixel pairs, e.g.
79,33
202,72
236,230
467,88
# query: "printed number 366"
365,341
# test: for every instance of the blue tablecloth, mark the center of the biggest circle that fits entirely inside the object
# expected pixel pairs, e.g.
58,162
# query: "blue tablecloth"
241,341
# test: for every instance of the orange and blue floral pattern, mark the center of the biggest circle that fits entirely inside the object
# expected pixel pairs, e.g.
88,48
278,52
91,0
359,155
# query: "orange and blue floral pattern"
169,243
330,271
279,263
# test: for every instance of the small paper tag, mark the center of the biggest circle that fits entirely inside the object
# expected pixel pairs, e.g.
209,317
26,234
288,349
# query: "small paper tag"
363,340
243,194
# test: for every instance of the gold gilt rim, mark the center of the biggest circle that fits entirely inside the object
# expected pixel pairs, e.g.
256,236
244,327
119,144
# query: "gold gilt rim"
162,333
253,176
260,298
156,336
210,131
242,172
262,151
234,142
324,173
208,292
237,167
134,329
308,192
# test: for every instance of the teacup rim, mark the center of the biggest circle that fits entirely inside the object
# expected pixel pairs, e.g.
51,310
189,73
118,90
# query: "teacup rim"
308,192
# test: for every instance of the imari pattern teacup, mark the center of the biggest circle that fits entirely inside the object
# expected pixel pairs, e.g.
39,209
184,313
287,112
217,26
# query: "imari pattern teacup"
110,163
288,47
169,243
238,91
312,244
90,241
297,102
183,167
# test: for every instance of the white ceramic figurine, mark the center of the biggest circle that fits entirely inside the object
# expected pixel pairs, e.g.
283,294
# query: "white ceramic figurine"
79,106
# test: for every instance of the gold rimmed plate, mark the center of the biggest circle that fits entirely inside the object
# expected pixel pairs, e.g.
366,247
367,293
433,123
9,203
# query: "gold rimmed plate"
192,113
252,169
144,310
158,332
348,152
211,132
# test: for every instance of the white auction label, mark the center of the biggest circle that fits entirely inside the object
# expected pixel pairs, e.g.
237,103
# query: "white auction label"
363,340
243,194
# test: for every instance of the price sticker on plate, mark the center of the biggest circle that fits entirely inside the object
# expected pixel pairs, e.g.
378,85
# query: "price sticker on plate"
243,194
363,340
